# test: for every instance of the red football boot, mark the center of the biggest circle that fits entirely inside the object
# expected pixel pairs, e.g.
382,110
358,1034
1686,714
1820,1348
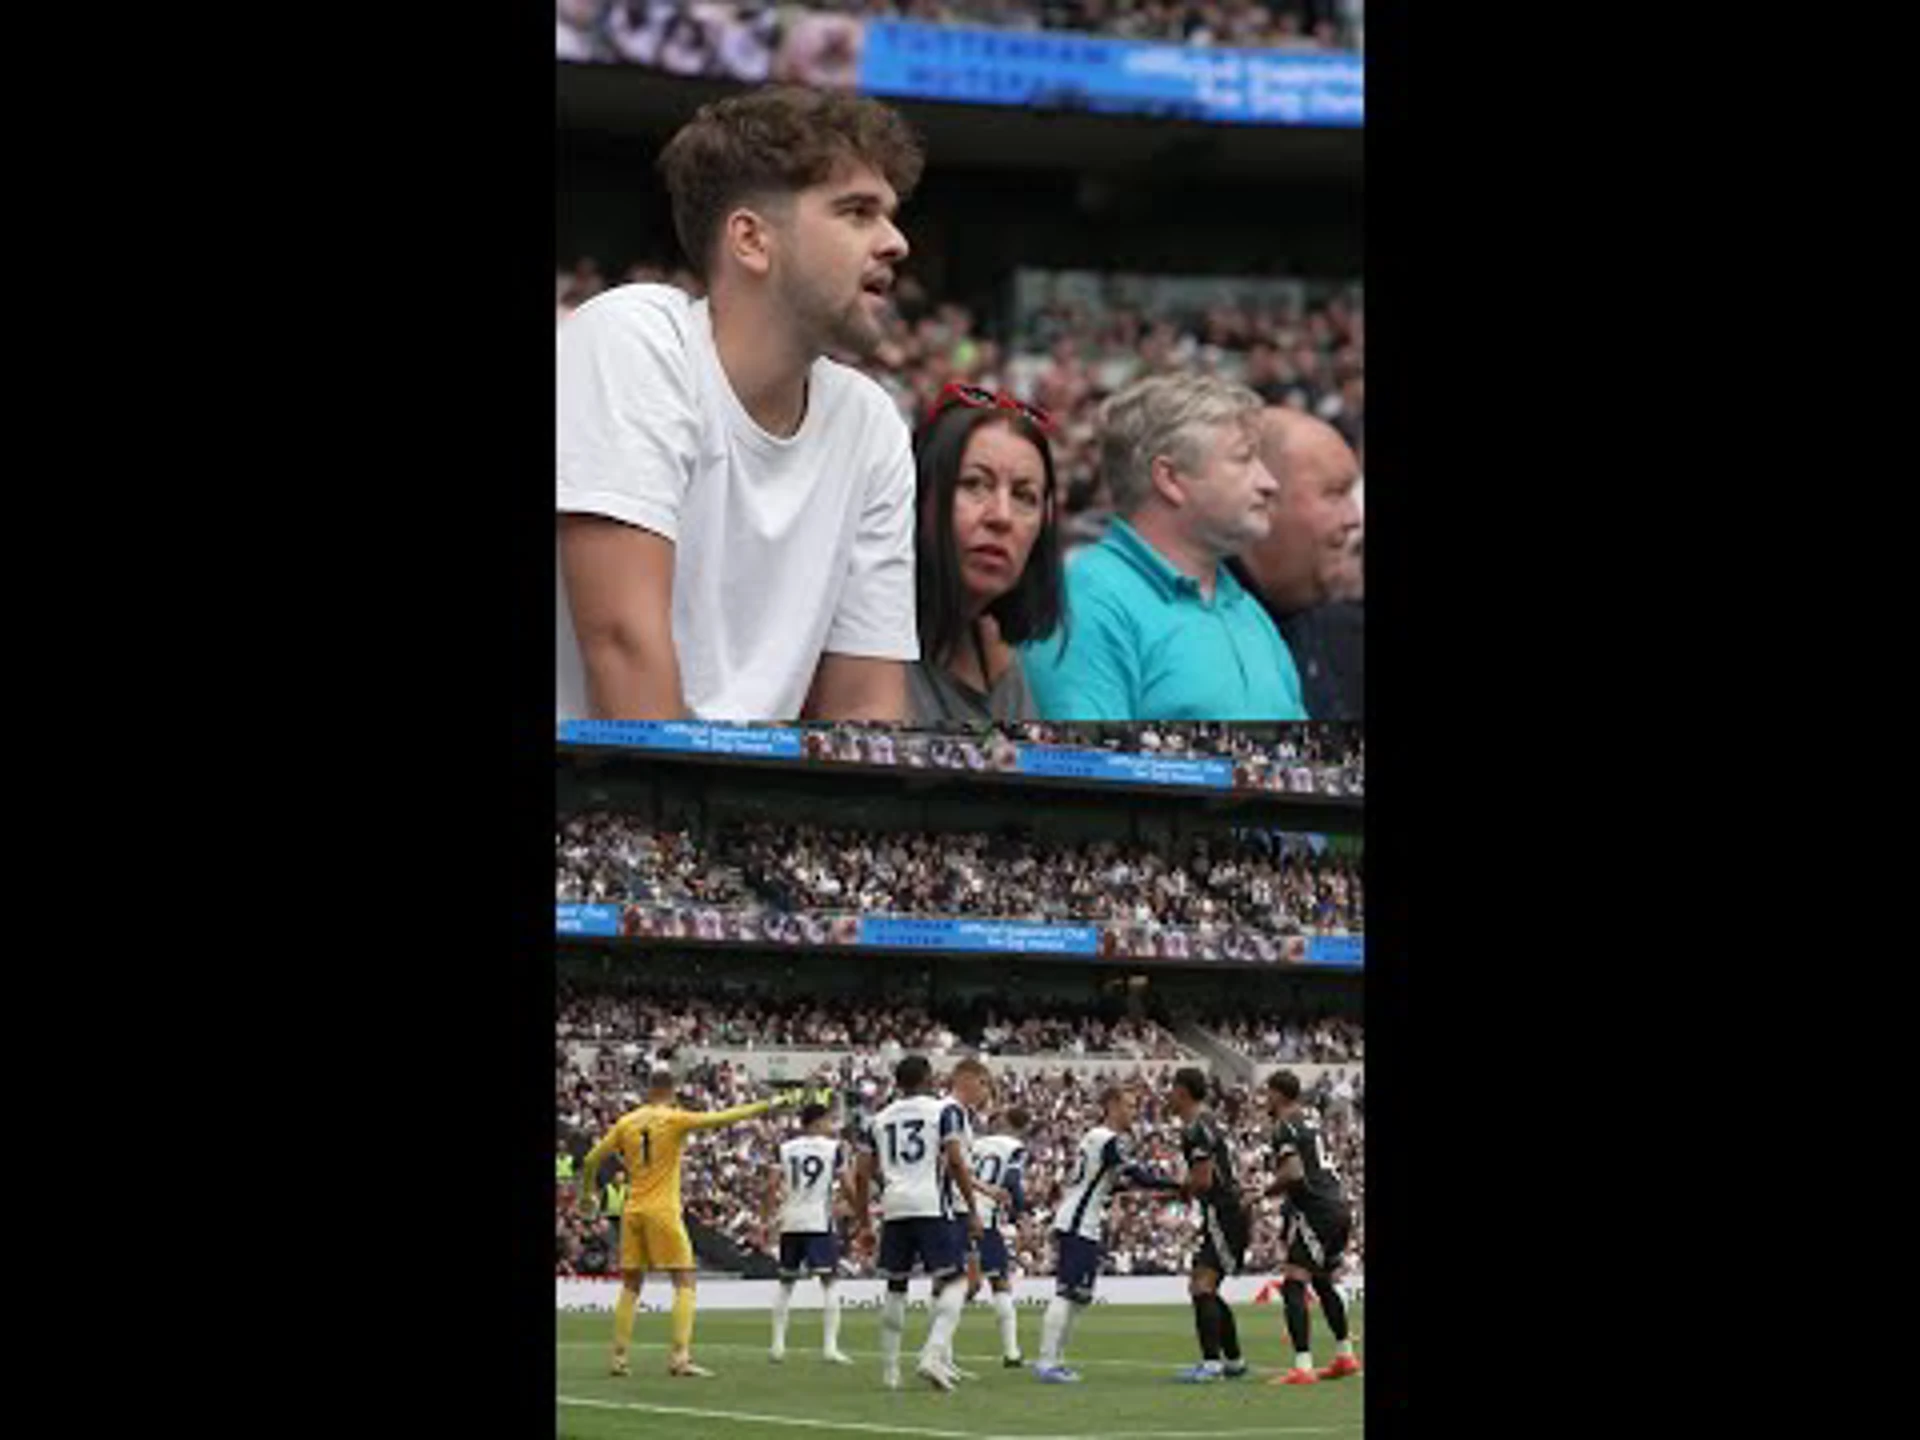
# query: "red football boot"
1295,1377
1342,1365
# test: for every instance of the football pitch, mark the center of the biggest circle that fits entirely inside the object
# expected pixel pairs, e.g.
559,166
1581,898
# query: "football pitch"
1126,1356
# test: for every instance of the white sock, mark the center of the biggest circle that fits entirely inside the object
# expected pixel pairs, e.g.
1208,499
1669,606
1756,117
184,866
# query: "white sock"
893,1324
1303,1360
1053,1330
1345,1347
831,1324
1074,1311
782,1298
1009,1326
946,1318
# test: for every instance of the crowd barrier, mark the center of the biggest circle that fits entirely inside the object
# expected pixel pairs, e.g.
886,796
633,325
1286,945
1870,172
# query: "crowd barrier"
992,754
594,1292
1124,940
977,64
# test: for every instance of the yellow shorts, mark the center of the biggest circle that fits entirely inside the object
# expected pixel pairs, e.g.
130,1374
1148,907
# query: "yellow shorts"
652,1241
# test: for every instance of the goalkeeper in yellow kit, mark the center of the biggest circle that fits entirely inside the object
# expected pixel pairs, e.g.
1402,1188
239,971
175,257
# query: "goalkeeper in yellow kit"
652,1234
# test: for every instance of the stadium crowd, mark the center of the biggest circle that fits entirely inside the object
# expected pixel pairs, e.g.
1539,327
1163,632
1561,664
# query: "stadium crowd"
739,38
611,857
1073,355
725,1173
666,1015
1273,1041
1324,759
1273,882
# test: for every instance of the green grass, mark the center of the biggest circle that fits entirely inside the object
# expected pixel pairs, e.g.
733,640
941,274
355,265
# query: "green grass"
1126,1355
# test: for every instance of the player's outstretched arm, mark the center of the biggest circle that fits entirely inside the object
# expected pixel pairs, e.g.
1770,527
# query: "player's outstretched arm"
1142,1178
714,1119
1133,1172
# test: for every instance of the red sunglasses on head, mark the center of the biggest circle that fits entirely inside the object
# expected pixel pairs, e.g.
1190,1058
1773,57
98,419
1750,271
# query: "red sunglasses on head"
978,397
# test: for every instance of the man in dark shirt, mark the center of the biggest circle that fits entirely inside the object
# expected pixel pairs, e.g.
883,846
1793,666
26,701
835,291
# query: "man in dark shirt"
1208,1150
1302,571
1318,1221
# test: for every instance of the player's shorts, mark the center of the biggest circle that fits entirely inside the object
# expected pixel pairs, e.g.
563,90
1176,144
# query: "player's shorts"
1223,1241
802,1253
992,1251
1076,1265
1317,1247
651,1240
937,1243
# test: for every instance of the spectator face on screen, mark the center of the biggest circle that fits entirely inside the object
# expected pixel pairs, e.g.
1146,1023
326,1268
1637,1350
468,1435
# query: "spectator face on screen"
833,263
1306,557
1225,490
998,500
987,541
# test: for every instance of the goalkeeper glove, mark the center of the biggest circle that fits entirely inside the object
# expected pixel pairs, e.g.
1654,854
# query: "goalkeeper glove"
789,1098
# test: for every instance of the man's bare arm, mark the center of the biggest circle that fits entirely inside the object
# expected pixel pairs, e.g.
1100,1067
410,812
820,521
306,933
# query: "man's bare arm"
858,687
619,581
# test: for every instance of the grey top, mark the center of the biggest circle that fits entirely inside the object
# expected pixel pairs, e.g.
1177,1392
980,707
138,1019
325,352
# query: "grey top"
935,694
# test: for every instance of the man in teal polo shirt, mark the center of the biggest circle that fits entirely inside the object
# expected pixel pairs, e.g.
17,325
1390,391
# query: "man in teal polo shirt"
1158,628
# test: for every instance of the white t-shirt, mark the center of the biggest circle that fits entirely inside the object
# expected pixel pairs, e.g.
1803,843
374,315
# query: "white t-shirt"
908,1139
783,548
808,1164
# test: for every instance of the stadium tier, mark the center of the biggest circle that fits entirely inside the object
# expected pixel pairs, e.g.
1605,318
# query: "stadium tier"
1123,856
1276,882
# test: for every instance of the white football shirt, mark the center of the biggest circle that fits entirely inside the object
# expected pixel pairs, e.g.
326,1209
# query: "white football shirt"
994,1159
808,1163
1089,1185
784,549
908,1139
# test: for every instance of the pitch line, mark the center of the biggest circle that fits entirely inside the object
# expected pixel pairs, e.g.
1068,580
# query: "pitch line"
991,1361
799,1421
872,1428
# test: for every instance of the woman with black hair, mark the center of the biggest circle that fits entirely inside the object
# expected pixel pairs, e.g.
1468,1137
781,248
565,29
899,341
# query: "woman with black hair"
986,555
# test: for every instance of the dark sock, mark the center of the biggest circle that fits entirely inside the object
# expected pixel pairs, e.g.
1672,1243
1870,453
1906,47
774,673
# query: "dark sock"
1331,1305
1206,1320
1293,1295
1229,1331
